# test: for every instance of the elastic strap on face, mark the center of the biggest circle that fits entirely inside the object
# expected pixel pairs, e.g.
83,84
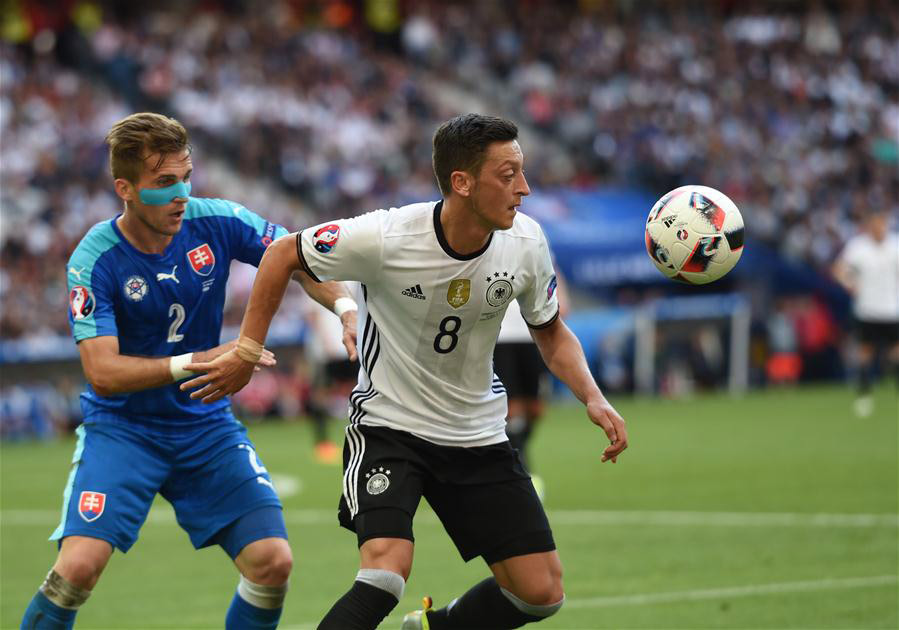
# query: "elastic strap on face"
162,196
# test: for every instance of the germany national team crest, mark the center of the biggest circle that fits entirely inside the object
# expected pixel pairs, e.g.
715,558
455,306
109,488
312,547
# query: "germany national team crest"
459,292
500,290
91,505
201,259
378,480
81,301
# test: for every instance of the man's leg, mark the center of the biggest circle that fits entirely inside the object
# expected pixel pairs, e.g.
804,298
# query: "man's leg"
864,404
523,589
264,567
385,565
78,566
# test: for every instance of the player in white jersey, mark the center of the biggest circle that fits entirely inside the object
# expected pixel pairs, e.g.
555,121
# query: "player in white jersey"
520,367
427,416
333,375
868,268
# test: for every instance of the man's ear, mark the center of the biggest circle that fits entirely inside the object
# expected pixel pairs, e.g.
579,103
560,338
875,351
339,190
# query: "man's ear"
125,189
462,183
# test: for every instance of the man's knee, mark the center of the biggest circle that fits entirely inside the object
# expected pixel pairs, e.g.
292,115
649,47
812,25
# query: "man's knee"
391,554
267,562
543,592
540,598
81,561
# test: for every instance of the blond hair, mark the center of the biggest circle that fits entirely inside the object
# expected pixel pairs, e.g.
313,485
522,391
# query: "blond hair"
138,136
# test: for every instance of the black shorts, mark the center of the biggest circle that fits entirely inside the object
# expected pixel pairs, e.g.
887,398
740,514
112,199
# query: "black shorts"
482,495
336,371
520,367
881,334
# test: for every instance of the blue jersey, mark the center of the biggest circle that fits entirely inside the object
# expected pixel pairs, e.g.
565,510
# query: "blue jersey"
161,305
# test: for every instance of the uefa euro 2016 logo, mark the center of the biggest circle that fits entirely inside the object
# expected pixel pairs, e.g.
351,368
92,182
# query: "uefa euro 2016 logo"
325,238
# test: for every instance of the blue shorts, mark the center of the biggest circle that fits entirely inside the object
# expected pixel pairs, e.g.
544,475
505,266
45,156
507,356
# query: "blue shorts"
210,475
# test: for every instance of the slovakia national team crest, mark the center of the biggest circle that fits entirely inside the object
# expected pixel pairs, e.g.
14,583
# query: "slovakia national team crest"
325,238
81,301
91,505
201,259
135,288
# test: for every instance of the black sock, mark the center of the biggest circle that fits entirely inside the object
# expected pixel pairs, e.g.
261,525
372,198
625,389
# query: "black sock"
362,607
518,430
483,607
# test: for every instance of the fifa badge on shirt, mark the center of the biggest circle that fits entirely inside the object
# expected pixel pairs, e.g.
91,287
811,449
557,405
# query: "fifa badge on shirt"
459,292
201,259
91,505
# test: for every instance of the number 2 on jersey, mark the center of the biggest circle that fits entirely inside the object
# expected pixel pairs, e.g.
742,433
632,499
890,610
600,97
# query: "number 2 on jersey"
178,311
446,331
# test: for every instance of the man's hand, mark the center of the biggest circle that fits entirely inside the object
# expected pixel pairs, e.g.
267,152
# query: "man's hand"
349,333
205,356
225,374
603,414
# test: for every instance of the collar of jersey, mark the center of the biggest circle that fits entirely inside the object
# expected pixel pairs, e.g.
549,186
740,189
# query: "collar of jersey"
441,238
127,244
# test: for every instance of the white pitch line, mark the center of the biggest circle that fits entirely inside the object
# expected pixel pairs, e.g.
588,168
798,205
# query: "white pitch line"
778,588
642,599
652,518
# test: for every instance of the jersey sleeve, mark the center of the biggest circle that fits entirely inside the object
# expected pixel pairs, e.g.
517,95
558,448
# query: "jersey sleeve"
539,303
91,299
347,249
252,234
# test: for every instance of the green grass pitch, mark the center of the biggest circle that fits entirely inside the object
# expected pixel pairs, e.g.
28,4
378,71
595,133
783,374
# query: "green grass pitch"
774,510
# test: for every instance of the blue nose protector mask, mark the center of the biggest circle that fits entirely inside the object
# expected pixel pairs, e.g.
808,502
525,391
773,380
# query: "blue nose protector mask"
162,196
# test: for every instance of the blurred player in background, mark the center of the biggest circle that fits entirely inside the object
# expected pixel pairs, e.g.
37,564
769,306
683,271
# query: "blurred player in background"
333,376
147,290
868,268
428,415
520,367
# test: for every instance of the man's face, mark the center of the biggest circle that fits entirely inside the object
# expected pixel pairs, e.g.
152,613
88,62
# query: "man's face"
162,219
499,187
878,225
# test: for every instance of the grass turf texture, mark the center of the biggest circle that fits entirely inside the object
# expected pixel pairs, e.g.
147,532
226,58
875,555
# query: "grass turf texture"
707,522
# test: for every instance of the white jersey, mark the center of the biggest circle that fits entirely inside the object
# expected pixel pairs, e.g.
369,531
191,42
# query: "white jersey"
514,329
429,317
874,267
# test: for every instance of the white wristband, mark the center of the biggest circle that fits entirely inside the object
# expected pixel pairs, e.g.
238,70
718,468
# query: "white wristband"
344,304
176,366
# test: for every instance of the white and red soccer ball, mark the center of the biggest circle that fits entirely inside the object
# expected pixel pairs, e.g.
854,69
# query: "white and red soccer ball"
694,234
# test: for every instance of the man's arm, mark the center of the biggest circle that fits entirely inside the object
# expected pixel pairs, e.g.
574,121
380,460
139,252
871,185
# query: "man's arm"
111,373
842,273
231,371
334,297
563,355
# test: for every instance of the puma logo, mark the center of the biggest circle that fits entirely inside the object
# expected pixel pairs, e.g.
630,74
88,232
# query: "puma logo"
76,272
168,276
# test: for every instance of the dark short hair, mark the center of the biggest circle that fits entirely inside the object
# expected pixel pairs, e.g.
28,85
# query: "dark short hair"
460,144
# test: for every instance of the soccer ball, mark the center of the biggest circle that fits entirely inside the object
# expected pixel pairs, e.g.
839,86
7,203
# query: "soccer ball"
694,234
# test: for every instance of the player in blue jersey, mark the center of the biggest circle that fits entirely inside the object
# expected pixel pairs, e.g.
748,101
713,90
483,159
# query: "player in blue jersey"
147,290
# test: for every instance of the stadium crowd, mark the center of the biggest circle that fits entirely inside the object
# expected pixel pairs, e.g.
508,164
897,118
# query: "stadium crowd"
791,108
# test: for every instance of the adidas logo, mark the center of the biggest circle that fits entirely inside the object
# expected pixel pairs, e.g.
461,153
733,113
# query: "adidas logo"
668,221
415,292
